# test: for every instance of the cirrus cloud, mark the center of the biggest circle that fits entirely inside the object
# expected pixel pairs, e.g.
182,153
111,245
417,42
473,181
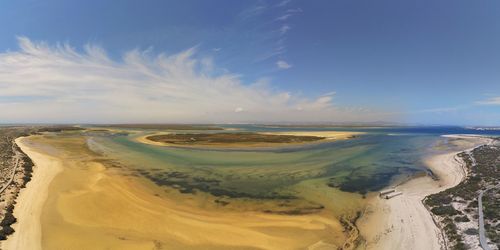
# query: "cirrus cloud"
490,101
44,83
283,65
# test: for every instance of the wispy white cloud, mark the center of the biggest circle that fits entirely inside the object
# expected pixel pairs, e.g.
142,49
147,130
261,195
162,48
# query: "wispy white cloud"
490,101
43,83
278,49
288,13
284,29
297,10
252,11
283,3
283,17
283,65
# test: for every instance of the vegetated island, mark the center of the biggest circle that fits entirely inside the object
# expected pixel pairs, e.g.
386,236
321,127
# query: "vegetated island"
456,210
243,139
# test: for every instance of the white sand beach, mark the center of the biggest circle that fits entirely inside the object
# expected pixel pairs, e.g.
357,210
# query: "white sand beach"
31,200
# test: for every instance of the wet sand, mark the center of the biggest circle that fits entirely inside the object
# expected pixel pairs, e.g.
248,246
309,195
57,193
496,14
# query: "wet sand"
403,222
90,206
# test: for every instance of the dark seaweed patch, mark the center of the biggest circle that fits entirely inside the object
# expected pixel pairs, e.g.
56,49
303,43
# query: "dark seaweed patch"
369,182
190,184
297,211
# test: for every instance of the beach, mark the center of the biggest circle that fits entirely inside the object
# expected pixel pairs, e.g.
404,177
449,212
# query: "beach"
403,222
76,192
76,201
31,200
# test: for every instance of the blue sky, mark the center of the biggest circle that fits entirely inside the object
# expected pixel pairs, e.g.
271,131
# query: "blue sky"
426,62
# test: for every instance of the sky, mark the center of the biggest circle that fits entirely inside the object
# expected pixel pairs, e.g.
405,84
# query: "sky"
287,61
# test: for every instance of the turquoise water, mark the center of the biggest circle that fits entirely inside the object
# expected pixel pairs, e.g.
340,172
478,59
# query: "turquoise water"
366,163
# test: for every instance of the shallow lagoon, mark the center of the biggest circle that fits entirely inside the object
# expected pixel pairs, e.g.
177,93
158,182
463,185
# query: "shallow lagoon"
195,197
366,163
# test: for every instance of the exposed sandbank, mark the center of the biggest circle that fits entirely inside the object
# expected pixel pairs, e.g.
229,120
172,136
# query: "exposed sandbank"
403,222
88,206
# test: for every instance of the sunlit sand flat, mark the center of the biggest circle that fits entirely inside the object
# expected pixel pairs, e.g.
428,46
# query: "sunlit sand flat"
90,206
101,189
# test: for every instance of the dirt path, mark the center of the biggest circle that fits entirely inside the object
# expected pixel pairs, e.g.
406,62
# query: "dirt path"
11,179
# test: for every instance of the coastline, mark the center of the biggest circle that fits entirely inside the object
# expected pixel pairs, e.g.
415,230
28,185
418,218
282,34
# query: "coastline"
29,204
404,222
107,209
398,223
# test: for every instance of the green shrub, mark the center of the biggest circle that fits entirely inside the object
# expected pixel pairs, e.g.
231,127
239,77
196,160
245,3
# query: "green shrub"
444,210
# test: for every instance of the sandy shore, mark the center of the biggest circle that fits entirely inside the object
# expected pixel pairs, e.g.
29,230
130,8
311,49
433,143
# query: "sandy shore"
31,200
403,222
328,135
116,211
75,202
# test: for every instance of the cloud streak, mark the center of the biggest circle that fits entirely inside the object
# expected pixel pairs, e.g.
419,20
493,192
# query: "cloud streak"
44,83
283,65
490,101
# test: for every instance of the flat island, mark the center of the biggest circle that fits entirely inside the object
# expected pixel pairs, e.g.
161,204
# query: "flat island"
244,139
